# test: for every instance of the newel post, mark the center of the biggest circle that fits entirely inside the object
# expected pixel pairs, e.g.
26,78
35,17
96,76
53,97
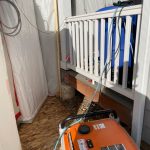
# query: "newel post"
142,74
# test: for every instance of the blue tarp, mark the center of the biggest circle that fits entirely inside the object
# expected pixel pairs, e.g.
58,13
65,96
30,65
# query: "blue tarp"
122,42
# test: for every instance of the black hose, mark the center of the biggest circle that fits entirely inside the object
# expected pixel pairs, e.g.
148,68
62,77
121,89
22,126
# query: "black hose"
89,115
16,28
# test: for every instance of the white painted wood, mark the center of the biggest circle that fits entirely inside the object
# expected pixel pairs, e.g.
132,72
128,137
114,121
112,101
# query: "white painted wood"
74,43
131,10
102,46
96,69
127,92
70,43
78,44
109,49
117,50
142,75
88,58
136,51
86,45
91,36
126,50
81,45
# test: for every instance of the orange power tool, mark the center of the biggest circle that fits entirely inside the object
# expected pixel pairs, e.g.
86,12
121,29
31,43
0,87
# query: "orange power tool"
103,134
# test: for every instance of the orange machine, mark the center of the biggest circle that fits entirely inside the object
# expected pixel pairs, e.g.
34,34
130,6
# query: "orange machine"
103,134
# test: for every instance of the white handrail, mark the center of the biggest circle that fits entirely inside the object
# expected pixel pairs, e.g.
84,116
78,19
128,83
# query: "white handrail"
130,10
93,36
87,46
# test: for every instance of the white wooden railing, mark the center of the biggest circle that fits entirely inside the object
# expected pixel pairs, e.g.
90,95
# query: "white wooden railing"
86,48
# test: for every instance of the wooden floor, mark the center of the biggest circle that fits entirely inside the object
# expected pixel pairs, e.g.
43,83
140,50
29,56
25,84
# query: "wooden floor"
43,132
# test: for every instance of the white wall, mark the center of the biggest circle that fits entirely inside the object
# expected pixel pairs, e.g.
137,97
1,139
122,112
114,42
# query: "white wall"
146,124
9,138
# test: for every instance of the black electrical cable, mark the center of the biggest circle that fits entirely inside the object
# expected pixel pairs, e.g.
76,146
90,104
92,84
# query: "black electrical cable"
16,28
19,23
118,47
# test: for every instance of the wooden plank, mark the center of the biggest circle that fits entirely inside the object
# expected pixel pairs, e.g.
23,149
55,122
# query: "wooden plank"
78,45
126,50
58,49
74,43
81,45
126,92
85,89
123,112
96,49
102,46
105,101
70,43
91,35
117,49
86,45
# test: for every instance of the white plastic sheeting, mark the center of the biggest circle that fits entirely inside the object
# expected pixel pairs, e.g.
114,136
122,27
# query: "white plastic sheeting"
11,81
26,59
87,6
45,16
44,10
64,8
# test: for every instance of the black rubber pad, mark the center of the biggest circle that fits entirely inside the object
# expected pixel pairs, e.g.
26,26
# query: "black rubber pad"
84,129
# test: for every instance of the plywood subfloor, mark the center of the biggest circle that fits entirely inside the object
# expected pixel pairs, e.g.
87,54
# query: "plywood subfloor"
43,132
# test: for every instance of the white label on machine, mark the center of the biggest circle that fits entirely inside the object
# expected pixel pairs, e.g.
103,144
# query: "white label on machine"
99,126
82,144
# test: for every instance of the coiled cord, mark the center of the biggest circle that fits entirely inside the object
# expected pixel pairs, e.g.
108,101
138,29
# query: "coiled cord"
14,30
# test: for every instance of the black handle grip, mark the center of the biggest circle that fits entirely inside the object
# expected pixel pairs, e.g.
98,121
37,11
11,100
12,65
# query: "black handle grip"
124,3
88,115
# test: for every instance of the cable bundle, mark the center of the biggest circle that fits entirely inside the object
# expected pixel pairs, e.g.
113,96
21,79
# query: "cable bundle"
14,30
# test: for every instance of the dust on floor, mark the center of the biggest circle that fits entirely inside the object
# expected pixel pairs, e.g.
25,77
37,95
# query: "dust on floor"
43,132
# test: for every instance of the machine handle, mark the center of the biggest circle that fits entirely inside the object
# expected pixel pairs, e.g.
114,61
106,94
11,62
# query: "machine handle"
88,115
